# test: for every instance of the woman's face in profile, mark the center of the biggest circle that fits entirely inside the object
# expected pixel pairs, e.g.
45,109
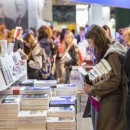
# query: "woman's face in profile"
91,43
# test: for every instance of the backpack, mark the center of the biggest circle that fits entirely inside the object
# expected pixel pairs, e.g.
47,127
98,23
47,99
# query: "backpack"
46,66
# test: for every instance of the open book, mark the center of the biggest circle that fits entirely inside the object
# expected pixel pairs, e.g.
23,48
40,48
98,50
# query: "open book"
66,57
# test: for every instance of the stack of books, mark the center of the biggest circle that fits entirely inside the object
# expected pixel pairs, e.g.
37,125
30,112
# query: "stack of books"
61,123
35,102
84,98
61,114
32,120
75,78
17,90
9,109
66,90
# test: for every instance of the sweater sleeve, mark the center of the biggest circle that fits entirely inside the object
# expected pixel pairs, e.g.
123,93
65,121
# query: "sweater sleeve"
114,81
36,63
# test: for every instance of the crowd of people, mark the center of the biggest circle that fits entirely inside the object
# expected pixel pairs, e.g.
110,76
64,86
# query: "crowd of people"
50,54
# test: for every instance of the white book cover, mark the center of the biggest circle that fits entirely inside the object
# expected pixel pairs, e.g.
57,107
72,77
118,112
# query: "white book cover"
3,47
11,102
105,70
5,71
35,97
32,115
61,111
30,122
66,57
106,64
33,107
44,83
101,71
66,87
60,119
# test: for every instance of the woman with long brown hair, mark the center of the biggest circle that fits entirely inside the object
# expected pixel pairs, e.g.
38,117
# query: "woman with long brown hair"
109,97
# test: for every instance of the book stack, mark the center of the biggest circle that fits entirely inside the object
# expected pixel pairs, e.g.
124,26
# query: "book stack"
66,90
61,114
35,102
84,98
9,108
32,120
75,78
17,90
61,123
99,74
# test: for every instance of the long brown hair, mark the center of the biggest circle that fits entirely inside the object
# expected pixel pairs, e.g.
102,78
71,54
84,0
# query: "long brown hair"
101,41
29,38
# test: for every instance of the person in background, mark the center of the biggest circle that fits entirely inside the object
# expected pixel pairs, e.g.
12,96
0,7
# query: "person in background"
18,40
3,32
108,99
120,36
56,36
9,23
33,31
126,37
81,36
33,56
74,33
46,42
107,31
71,51
22,18
10,37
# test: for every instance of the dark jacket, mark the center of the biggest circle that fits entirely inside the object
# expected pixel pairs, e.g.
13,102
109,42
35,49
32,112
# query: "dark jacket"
18,44
45,44
127,67
73,51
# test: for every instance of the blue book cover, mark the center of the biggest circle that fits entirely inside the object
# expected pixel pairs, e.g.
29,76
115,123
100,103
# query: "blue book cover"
62,100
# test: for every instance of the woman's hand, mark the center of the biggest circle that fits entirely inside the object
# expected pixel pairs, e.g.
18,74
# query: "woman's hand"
87,88
24,56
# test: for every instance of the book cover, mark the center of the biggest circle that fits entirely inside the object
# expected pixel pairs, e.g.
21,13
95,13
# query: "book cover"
35,96
62,100
32,115
5,71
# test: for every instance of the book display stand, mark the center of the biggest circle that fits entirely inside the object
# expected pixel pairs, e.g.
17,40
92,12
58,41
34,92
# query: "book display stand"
12,69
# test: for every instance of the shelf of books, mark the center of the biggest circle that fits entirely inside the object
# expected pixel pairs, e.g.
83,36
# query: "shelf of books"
12,68
44,105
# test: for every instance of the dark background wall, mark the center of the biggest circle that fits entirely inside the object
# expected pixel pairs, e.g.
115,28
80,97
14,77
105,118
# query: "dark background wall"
122,17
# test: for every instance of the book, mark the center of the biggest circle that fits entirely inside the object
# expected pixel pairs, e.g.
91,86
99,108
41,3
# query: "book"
5,71
3,48
32,115
68,111
62,101
66,57
18,32
34,96
26,90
